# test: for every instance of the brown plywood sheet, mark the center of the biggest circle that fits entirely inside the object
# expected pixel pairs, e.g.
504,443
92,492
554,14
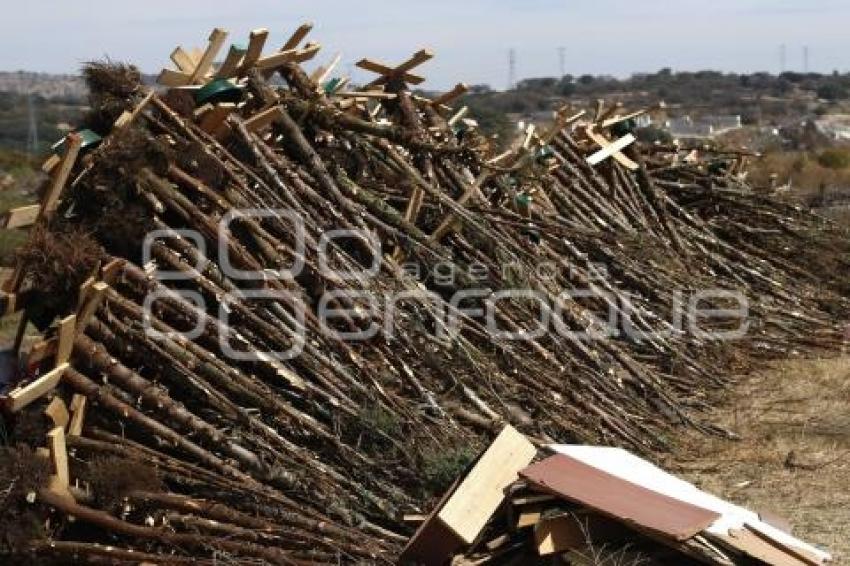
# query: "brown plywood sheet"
621,500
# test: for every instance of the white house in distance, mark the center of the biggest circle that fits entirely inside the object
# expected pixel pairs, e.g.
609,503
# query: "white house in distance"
704,127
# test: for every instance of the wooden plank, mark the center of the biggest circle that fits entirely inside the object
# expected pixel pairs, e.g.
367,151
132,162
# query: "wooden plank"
611,150
530,516
754,546
24,396
20,217
214,119
367,94
60,176
433,542
184,61
59,454
50,163
262,119
458,90
57,412
418,58
310,51
297,36
109,273
278,59
798,553
172,79
216,42
98,292
458,116
78,409
67,331
128,117
85,289
321,74
231,63
482,491
256,42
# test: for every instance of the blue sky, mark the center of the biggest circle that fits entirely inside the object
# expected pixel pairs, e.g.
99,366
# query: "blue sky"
471,38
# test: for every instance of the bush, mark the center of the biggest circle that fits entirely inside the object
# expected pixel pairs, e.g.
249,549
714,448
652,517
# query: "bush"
834,159
832,92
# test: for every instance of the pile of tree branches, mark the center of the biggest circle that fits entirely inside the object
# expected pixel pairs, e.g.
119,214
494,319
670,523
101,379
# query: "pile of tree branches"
231,452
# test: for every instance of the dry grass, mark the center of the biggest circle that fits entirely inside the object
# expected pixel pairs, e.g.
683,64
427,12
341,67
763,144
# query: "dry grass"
793,457
803,170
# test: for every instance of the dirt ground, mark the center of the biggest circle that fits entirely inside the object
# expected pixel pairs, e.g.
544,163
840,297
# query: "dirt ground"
793,455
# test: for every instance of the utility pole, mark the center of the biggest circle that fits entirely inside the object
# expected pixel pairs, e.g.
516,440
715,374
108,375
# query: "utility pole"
512,69
782,57
32,133
562,60
806,59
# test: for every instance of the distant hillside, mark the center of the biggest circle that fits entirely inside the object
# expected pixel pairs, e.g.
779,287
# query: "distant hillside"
51,87
759,98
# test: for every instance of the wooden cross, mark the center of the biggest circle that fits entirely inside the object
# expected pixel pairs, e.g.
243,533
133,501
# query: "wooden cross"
193,67
401,72
610,149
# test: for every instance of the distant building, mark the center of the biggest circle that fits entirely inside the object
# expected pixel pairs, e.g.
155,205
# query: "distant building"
834,126
704,127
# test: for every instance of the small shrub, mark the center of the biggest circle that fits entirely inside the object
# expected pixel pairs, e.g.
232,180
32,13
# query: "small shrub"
442,466
834,159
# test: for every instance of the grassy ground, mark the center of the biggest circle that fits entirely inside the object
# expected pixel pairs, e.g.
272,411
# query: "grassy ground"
19,179
793,456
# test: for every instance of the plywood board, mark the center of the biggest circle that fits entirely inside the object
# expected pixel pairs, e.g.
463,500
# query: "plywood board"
618,499
482,491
